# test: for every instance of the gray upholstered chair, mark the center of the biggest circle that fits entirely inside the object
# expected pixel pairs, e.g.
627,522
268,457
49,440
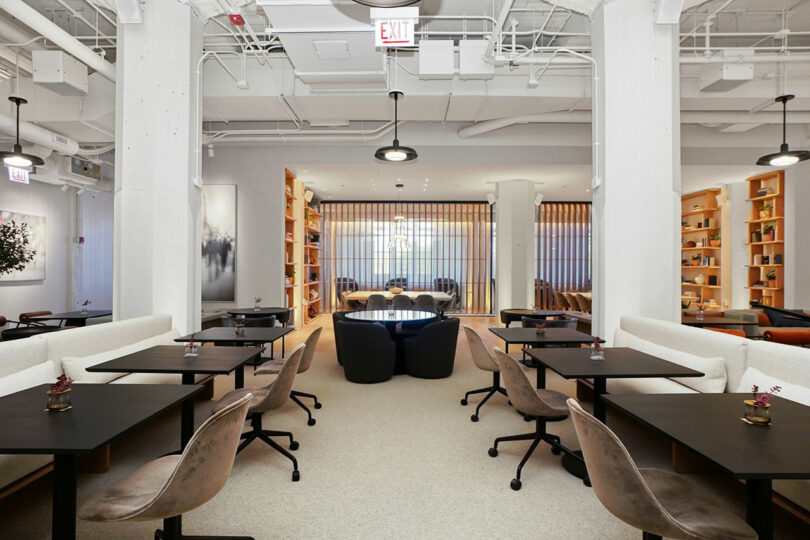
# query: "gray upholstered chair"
483,361
272,367
658,502
541,404
562,303
424,302
376,302
402,301
175,484
268,398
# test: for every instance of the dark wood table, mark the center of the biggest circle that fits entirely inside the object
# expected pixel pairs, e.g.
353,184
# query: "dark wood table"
73,318
252,335
171,359
710,425
553,337
716,321
100,414
508,316
262,312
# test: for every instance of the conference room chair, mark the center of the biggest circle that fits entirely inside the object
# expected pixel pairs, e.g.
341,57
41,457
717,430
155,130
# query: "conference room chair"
284,317
572,301
449,286
175,484
538,403
345,284
534,322
583,302
265,399
273,367
425,302
367,350
658,502
485,362
401,301
376,302
431,353
401,282
562,303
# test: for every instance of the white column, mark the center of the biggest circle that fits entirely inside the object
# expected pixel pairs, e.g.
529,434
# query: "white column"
636,214
515,245
157,206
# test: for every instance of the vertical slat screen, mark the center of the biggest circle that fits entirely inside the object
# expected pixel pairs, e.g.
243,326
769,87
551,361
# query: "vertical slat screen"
447,241
563,250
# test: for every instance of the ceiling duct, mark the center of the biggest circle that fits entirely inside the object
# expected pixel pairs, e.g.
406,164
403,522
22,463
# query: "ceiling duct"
206,9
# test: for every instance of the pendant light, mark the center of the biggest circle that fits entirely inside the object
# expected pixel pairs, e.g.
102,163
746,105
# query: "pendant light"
785,157
399,240
17,158
395,153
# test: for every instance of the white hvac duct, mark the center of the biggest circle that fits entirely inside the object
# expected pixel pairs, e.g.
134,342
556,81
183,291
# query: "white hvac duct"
13,34
39,136
41,24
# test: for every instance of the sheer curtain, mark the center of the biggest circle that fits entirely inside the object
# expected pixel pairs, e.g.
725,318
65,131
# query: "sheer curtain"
451,242
563,250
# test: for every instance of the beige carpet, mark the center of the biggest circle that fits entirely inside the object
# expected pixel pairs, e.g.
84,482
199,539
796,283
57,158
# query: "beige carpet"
400,459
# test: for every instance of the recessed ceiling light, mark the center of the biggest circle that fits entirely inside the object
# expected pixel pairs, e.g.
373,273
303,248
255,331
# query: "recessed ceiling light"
427,179
587,190
304,171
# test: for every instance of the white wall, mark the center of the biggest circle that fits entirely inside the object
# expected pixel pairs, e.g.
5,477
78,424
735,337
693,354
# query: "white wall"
94,258
739,212
797,236
52,293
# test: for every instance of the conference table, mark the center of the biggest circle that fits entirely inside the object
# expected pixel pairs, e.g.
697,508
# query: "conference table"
100,413
710,426
362,296
73,318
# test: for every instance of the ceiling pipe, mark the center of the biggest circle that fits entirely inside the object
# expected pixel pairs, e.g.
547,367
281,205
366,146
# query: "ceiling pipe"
498,30
290,135
13,33
39,136
41,24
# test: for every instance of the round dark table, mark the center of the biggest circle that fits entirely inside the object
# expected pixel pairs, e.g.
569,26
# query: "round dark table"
391,320
509,316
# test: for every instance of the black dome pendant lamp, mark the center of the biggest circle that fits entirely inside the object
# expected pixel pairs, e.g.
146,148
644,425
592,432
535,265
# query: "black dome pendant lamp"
785,156
17,158
395,153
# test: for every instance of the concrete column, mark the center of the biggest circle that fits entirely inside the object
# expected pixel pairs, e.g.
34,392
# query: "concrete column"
515,246
636,214
157,206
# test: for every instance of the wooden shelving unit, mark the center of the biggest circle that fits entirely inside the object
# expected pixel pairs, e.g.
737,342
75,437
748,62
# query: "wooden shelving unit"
702,224
312,294
765,237
289,242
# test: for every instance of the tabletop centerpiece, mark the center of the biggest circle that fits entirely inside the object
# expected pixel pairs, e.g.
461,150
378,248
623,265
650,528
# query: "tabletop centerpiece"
758,410
239,325
59,394
540,328
84,308
192,349
597,352
257,303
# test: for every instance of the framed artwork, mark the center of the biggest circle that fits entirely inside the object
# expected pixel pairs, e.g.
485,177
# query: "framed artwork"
35,269
219,243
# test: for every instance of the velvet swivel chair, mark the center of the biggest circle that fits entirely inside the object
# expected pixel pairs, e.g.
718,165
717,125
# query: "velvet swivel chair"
401,301
533,322
265,399
485,362
562,303
538,403
401,282
449,286
367,351
175,484
431,353
376,302
425,302
658,502
273,367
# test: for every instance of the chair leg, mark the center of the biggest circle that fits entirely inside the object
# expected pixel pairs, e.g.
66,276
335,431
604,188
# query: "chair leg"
523,437
264,436
471,392
310,420
515,484
313,397
172,530
491,393
650,536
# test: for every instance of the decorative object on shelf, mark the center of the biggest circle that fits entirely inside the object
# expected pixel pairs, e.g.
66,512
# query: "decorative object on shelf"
712,280
17,158
768,233
765,213
785,157
396,153
696,207
597,352
764,191
756,236
219,243
313,277
289,274
22,247
778,258
59,394
714,240
695,260
700,279
770,275
313,295
691,244
191,350
758,410
766,259
257,303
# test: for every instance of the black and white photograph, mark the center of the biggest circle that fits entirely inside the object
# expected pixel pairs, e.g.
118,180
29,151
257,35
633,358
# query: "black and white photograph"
219,243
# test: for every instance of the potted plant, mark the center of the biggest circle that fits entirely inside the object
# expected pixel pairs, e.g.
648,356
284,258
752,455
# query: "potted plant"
714,240
59,394
597,352
695,260
84,305
768,233
290,274
770,275
765,212
14,241
757,410
191,350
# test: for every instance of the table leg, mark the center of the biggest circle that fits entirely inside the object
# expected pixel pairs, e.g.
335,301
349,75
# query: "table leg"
282,345
239,377
63,524
187,415
541,374
759,506
599,389
507,347
272,349
75,322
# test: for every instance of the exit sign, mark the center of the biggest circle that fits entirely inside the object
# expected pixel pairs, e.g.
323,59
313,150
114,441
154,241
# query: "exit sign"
18,175
394,27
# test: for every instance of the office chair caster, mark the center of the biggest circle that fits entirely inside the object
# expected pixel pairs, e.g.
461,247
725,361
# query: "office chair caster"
586,481
515,484
311,422
296,476
318,405
493,452
294,445
463,401
474,418
556,451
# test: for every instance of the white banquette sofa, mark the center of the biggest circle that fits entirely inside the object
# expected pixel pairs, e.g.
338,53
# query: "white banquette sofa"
41,359
731,364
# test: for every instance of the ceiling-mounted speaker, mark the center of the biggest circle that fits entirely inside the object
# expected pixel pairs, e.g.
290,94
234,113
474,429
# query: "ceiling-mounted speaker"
386,3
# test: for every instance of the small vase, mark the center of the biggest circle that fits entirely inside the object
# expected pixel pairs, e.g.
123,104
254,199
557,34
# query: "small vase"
84,310
540,331
58,401
597,355
764,214
772,283
699,315
714,243
757,414
191,351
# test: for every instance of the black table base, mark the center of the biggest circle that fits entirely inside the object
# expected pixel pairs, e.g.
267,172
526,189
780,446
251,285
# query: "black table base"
759,506
63,524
